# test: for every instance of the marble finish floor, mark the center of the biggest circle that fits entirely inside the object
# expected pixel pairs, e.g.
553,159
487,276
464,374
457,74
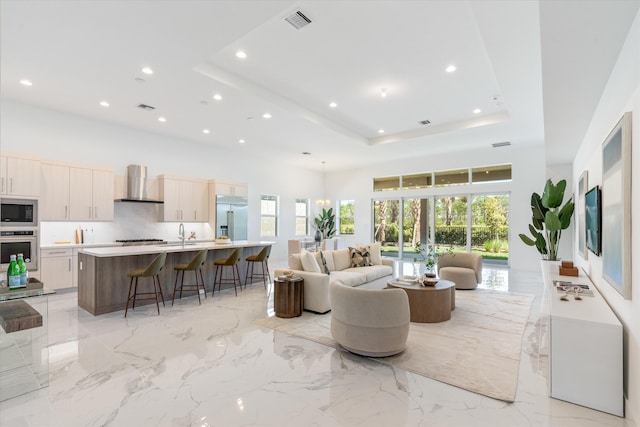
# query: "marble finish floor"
210,365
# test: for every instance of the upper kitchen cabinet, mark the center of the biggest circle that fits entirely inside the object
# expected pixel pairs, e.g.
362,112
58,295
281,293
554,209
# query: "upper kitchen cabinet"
226,188
54,203
19,176
77,194
185,200
91,193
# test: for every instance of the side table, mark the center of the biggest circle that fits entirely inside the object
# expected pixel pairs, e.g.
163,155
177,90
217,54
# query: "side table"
288,296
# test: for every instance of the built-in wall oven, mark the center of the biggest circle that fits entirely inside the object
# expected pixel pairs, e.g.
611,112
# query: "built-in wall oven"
18,241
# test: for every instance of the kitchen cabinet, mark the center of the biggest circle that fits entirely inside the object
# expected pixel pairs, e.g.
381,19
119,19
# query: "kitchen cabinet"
226,188
78,194
19,176
56,268
184,200
91,194
54,202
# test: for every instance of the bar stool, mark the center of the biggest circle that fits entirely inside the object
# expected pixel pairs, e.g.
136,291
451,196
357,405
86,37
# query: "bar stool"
263,259
231,261
196,266
153,271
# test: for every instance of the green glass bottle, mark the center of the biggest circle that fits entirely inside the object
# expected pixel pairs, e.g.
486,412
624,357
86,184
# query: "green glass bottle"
13,273
24,273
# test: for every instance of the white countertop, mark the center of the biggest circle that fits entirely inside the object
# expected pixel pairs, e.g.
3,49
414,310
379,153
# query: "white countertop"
177,247
79,245
589,309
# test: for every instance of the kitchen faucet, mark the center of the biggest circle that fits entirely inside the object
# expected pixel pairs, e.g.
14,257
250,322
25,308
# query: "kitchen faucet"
181,233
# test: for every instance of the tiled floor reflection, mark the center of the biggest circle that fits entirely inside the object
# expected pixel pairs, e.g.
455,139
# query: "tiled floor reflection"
209,365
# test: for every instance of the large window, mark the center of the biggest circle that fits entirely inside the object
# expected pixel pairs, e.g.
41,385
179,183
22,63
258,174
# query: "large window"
416,225
268,216
302,217
490,226
345,217
386,225
451,222
497,173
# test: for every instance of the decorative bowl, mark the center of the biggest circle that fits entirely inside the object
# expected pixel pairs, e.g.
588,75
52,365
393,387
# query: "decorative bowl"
429,281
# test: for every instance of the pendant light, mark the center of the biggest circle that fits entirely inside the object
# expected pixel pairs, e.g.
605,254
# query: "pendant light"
323,201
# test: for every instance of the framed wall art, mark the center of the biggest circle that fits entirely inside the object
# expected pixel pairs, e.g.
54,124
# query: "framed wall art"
616,207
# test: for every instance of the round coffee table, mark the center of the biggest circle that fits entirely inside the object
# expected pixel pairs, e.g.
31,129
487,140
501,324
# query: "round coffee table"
428,304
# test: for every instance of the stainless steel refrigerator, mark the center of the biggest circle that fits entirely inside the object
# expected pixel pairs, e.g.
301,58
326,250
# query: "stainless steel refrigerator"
232,217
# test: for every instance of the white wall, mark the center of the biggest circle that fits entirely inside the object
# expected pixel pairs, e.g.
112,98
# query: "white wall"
64,137
621,94
528,175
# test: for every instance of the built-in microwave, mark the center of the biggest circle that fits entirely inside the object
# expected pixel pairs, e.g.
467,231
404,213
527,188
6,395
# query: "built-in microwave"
14,242
19,213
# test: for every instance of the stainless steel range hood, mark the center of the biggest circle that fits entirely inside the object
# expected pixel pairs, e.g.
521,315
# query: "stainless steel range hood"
137,185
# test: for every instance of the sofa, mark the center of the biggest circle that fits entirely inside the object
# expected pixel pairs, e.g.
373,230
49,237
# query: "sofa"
361,266
369,322
464,269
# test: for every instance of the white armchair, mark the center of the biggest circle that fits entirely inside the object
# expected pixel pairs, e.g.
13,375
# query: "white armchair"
369,322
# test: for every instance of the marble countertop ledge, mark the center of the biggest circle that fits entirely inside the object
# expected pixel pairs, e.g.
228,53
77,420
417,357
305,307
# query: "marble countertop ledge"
173,247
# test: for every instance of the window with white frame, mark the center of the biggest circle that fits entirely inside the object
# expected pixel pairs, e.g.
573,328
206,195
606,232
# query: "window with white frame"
346,216
302,217
268,216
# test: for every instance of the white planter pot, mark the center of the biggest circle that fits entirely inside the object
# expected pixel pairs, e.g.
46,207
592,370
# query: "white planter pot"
549,267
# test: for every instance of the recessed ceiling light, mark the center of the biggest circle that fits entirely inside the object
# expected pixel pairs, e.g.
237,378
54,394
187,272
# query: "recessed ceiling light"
241,141
241,54
380,130
450,69
477,111
206,131
383,92
266,116
104,103
147,70
162,119
26,82
333,105
217,97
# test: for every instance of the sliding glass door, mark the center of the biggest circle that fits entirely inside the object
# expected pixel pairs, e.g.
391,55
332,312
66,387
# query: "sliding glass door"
475,223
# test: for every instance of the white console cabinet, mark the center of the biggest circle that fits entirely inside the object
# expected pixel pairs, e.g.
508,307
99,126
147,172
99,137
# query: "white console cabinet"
585,349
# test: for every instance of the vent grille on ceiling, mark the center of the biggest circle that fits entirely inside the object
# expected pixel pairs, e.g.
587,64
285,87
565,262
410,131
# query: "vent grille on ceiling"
425,122
146,107
500,144
298,20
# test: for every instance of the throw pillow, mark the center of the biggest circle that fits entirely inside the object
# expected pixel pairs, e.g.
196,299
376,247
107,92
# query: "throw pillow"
360,257
374,251
324,264
309,262
341,259
328,257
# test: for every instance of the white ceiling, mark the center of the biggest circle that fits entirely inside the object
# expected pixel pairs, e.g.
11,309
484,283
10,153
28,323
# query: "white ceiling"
538,59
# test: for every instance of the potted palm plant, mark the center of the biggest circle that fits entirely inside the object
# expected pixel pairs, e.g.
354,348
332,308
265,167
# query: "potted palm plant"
325,223
549,218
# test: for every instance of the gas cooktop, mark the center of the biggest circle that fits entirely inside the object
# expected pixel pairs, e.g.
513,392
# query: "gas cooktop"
136,242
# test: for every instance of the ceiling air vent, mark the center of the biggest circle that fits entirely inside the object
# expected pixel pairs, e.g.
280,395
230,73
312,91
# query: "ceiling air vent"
146,107
425,122
500,144
298,20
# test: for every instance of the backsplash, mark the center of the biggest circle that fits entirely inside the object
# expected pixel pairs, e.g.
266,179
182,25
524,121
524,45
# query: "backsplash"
131,221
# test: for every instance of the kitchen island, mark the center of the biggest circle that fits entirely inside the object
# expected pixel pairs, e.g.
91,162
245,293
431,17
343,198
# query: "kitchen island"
103,283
